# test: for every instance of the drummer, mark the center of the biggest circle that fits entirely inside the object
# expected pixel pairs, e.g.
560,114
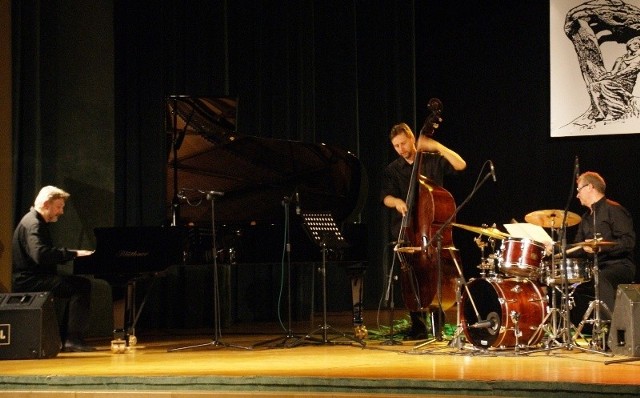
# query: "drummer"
613,223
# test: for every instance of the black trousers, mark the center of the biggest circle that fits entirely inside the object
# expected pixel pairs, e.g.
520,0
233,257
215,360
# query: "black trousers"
76,289
609,277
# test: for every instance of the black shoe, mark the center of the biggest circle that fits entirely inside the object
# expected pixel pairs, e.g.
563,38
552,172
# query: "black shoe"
77,346
416,335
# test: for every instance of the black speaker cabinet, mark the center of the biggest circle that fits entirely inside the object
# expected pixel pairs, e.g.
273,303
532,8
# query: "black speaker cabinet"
28,326
624,335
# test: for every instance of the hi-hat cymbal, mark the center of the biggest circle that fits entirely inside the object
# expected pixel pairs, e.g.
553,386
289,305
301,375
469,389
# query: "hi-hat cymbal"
488,231
551,218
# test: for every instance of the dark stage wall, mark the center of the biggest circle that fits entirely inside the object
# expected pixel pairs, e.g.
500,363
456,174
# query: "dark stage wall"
341,73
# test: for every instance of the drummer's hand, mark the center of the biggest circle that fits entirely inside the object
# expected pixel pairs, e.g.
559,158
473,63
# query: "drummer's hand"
548,248
588,249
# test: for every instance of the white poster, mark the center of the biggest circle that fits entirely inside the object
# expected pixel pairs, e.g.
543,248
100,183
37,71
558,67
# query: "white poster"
595,60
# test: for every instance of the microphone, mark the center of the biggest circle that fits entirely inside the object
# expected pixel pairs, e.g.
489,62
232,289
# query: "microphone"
297,203
576,168
488,324
493,171
213,193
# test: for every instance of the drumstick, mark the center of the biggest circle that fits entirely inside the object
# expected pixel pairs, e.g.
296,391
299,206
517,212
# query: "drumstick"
569,251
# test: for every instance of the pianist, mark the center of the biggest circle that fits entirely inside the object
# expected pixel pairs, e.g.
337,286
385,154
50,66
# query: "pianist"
35,261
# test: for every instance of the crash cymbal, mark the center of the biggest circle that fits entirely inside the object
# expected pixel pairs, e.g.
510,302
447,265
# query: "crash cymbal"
488,231
551,218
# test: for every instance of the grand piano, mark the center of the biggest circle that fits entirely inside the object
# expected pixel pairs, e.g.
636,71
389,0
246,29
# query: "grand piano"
237,187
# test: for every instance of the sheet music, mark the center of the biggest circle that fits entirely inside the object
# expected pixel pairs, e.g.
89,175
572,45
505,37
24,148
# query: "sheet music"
525,230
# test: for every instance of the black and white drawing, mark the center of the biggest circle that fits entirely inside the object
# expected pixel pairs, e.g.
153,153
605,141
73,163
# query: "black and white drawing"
595,61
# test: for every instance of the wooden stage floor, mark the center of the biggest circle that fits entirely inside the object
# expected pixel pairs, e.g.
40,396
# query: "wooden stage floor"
344,369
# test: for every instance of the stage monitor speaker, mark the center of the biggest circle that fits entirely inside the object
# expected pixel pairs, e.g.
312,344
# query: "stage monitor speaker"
624,334
28,326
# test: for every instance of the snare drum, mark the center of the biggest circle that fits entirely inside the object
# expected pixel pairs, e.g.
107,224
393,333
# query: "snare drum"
578,271
521,257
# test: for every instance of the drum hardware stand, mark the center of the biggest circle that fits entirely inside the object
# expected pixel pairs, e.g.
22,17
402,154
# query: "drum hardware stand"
282,341
325,233
216,288
515,318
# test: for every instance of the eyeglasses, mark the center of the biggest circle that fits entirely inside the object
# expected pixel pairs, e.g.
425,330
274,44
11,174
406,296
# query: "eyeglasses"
579,188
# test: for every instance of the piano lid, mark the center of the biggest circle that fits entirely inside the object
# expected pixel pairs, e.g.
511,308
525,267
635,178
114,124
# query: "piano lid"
255,173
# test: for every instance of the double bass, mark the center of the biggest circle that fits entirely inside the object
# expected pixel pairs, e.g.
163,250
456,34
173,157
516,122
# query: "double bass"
425,246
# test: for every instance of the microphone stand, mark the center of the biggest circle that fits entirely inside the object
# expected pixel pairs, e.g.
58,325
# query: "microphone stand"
216,291
391,303
282,341
438,239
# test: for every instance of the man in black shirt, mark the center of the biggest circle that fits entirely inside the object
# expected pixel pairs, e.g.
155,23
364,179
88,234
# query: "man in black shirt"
35,261
607,220
438,161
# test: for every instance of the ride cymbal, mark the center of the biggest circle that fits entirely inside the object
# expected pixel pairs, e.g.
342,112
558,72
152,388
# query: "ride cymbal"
551,218
594,244
488,231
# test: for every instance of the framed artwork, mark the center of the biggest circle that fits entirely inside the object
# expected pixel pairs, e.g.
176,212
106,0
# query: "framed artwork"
594,66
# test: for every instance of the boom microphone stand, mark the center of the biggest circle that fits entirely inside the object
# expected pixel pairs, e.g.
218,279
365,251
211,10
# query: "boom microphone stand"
216,343
438,238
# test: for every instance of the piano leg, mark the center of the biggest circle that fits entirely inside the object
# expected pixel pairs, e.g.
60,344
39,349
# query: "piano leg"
130,314
356,274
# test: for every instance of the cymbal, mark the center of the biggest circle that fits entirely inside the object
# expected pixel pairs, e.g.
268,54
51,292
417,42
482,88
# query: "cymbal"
489,231
551,218
593,243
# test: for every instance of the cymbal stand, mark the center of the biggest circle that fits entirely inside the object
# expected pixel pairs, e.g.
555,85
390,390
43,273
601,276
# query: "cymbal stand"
282,341
324,232
598,334
555,313
215,343
569,340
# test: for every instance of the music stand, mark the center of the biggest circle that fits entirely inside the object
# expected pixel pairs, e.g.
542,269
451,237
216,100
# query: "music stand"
323,230
216,343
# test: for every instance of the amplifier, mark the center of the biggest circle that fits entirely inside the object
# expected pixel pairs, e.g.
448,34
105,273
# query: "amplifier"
28,326
624,335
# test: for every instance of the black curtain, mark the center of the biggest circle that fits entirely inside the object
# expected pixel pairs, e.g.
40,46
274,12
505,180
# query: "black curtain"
340,73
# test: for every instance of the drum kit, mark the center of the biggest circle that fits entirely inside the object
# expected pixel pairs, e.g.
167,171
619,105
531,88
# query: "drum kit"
514,303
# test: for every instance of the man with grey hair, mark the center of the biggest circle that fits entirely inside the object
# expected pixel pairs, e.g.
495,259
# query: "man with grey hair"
35,261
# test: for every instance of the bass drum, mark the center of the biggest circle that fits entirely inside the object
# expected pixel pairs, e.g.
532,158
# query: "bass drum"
498,304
